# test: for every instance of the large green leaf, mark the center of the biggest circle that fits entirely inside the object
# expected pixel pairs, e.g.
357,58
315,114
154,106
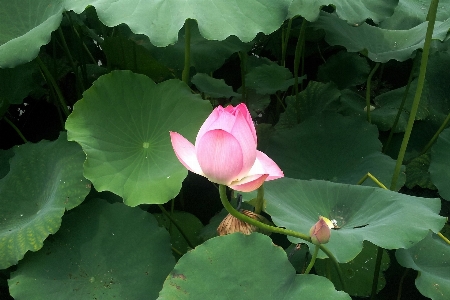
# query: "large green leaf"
384,218
24,27
431,257
349,10
123,124
332,147
44,180
410,13
378,44
440,164
358,273
237,266
102,251
216,19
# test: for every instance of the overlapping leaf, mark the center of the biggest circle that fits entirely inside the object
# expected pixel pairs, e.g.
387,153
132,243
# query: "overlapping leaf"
123,124
116,252
216,19
25,26
385,218
440,164
44,180
252,268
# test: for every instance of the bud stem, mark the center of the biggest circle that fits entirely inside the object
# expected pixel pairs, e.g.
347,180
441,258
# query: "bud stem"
313,259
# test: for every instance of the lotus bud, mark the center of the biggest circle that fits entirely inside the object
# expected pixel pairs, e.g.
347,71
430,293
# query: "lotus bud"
320,232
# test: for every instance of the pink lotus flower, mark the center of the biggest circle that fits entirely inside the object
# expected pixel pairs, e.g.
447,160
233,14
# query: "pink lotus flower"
320,232
225,151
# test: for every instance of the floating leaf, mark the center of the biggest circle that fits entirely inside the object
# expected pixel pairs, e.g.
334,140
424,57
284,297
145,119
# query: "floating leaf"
431,257
351,11
440,164
25,27
332,147
252,268
382,217
216,19
116,252
358,273
44,180
123,124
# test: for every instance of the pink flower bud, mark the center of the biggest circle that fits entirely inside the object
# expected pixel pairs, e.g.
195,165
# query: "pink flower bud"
320,232
225,151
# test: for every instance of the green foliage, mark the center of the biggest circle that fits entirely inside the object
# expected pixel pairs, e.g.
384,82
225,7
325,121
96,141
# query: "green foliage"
119,75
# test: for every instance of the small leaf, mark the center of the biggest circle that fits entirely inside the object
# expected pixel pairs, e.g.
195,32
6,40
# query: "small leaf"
215,88
268,79
417,173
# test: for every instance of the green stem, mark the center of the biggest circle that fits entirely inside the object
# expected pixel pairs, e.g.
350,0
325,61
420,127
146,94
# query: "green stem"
259,200
242,217
436,135
443,238
400,109
15,129
51,81
285,41
243,58
298,52
174,222
368,90
374,179
80,86
420,83
313,259
187,51
376,272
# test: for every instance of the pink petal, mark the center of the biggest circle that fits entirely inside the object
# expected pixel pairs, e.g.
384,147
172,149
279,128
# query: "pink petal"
220,156
265,165
249,184
185,152
244,111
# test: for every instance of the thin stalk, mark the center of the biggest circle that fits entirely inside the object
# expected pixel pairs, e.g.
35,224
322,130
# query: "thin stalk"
187,51
443,238
400,109
400,284
368,90
420,83
51,81
376,272
164,211
80,86
226,204
17,130
259,200
313,259
285,41
298,52
374,179
243,58
435,136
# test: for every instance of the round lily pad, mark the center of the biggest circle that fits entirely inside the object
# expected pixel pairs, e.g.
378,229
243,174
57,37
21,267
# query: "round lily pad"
44,180
385,218
102,251
123,124
238,266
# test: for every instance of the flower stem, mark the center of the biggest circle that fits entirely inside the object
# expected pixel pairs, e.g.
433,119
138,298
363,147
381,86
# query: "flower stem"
420,83
368,90
376,272
174,222
187,51
15,128
259,200
374,179
435,136
313,259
